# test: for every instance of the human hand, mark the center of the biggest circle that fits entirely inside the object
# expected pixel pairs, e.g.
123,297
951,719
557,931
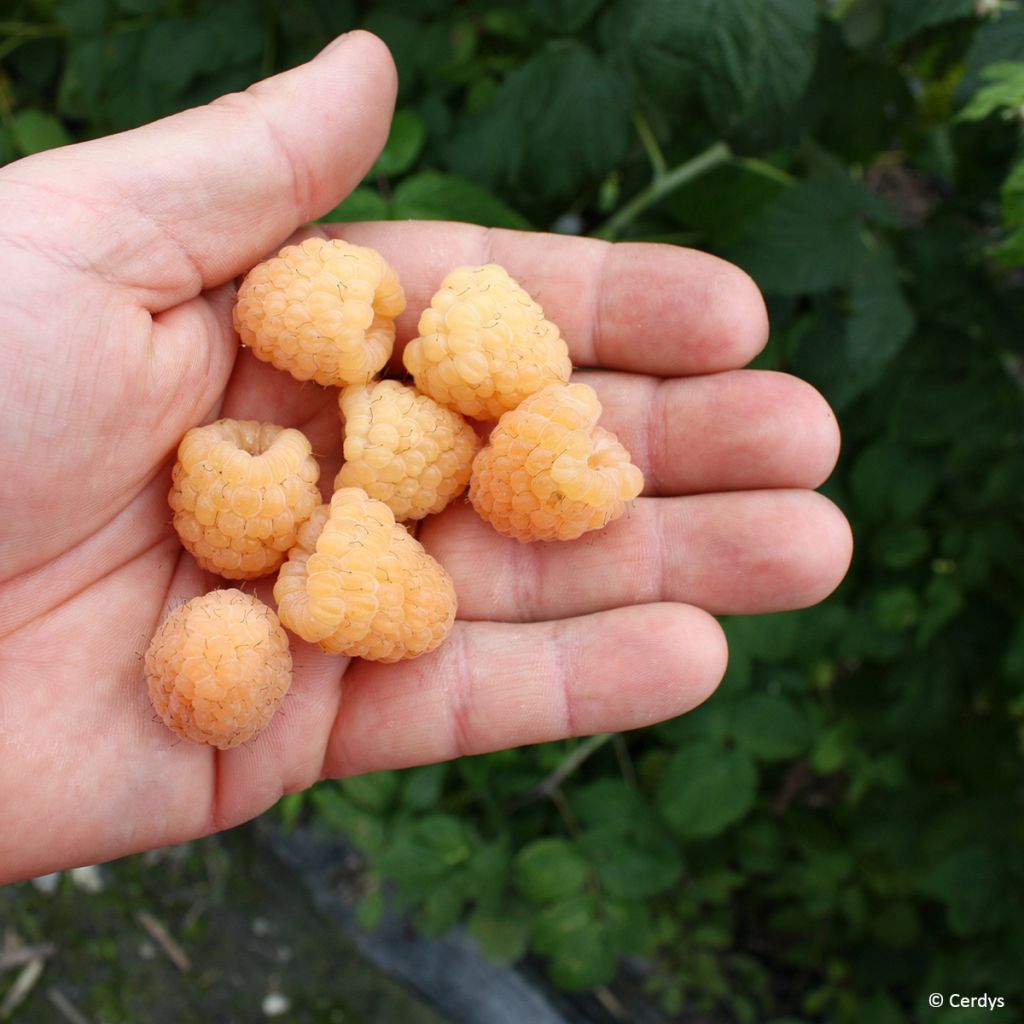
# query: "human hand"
118,259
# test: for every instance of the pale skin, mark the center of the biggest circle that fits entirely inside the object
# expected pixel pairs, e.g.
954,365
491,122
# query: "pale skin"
119,259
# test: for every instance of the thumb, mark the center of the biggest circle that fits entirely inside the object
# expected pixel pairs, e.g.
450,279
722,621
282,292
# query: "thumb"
195,199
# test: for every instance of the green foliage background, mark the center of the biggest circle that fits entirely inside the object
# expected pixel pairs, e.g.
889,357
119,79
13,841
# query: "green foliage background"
838,832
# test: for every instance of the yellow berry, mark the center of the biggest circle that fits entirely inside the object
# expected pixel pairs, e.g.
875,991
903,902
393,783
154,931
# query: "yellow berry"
218,668
549,472
484,344
360,584
239,492
323,310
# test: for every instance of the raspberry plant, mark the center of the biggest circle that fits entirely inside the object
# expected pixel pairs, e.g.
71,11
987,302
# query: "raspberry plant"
837,833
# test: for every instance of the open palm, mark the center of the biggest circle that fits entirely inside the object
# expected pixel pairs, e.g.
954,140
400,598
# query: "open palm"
117,261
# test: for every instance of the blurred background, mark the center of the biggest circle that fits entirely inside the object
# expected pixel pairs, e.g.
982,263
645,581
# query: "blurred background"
836,834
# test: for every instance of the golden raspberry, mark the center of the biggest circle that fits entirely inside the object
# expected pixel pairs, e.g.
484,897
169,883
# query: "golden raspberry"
322,310
549,472
404,449
240,490
218,668
484,344
358,583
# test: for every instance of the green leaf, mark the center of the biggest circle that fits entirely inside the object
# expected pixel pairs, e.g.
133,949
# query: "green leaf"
706,788
571,933
290,807
370,909
422,787
972,882
441,907
563,16
542,137
503,935
771,727
82,17
425,850
898,545
908,17
559,925
1005,92
35,130
365,829
722,202
1011,252
890,479
405,143
362,204
374,791
633,855
586,963
896,608
773,637
998,39
750,60
880,319
432,195
809,239
549,869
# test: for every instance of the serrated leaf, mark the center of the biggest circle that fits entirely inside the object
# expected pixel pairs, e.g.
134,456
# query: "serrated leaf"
750,59
541,136
35,130
550,869
1006,91
405,143
997,39
771,727
432,195
880,319
706,788
809,239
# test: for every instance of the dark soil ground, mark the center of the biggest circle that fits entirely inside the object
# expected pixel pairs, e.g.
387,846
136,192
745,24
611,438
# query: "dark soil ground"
217,930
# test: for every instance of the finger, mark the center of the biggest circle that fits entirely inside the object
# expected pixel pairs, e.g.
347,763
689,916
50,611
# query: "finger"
739,553
491,686
737,430
648,308
195,199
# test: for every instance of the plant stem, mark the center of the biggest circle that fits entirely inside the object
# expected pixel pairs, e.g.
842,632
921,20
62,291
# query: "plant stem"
650,144
569,764
766,170
712,157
